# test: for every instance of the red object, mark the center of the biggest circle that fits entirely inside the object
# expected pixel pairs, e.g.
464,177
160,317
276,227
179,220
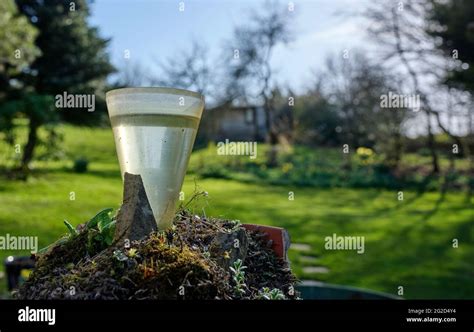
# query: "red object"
279,237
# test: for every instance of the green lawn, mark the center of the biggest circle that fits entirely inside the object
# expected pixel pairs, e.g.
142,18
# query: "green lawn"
407,243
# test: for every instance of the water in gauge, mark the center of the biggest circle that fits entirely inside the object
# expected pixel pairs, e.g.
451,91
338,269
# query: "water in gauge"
157,147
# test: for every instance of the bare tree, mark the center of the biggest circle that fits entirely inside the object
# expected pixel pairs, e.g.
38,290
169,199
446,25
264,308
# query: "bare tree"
400,28
188,69
354,85
250,71
132,74
394,26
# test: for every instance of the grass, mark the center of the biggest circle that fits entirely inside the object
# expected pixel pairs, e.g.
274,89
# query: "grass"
407,243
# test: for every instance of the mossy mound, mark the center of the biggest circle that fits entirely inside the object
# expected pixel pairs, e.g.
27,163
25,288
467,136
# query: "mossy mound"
175,264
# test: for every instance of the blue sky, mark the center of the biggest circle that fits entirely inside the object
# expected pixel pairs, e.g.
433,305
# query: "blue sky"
154,30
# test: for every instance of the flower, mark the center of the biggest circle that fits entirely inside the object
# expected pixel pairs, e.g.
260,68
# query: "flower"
286,167
132,252
364,152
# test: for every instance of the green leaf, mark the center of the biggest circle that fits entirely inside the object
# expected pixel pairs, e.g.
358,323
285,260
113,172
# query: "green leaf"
70,228
103,223
101,217
108,232
120,256
238,264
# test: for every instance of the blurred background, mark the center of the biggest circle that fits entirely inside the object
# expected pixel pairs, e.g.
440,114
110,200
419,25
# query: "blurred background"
304,79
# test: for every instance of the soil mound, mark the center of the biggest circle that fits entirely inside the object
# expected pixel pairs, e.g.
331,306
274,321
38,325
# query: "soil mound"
198,258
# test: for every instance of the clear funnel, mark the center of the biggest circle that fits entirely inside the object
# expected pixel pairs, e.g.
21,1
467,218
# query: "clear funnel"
154,131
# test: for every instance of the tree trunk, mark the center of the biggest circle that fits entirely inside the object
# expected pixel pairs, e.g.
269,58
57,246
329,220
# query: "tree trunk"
30,146
255,123
401,53
272,135
431,146
397,149
291,126
272,160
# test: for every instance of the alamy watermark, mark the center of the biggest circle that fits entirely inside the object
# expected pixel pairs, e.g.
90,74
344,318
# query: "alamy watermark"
335,242
37,315
395,100
228,148
67,100
12,242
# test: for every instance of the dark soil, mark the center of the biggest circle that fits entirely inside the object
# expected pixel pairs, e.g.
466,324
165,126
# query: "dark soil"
175,264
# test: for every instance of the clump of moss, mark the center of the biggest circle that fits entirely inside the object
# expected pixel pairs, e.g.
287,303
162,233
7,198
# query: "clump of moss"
175,272
166,265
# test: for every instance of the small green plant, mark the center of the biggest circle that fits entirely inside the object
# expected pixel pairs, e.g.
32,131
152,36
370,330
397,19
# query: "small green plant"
198,194
101,229
238,277
271,294
72,231
100,232
120,256
235,225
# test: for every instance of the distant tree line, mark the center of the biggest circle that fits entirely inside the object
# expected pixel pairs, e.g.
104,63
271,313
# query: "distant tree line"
426,49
